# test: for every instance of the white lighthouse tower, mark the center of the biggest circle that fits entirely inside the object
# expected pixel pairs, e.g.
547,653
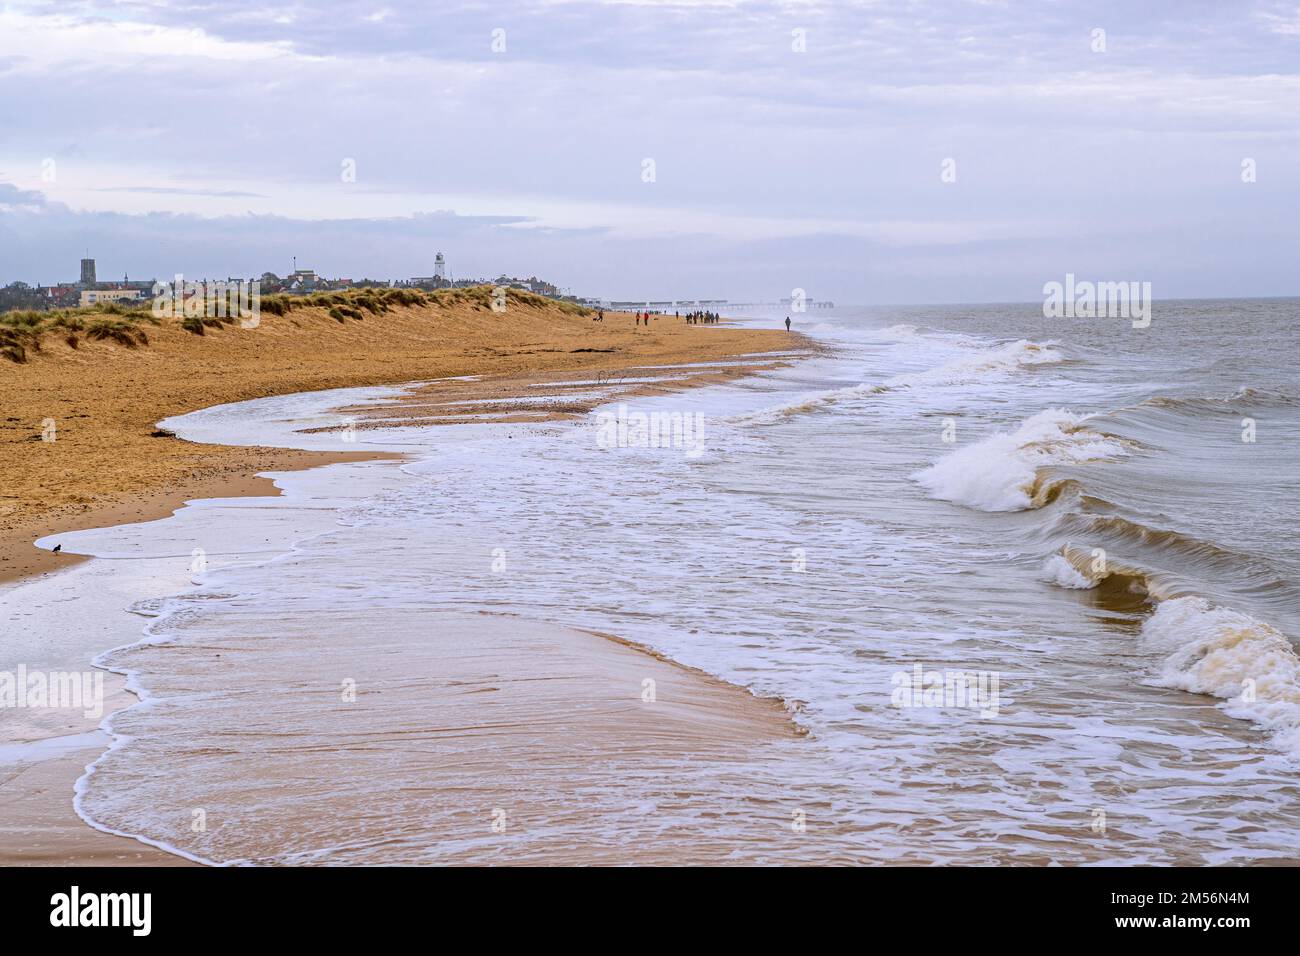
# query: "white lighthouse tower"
439,267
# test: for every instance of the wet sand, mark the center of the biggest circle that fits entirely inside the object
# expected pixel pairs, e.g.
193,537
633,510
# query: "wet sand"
20,558
38,826
470,738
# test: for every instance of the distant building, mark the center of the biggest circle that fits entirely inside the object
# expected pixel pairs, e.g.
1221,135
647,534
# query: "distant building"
439,267
302,280
531,284
109,295
88,273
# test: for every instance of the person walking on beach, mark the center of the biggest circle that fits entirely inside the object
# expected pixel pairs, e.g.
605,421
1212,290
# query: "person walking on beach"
787,323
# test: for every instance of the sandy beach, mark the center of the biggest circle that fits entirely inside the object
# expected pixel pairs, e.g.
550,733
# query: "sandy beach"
108,466
432,650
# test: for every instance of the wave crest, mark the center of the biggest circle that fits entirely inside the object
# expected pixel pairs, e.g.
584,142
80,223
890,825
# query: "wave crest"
982,365
1001,472
1245,395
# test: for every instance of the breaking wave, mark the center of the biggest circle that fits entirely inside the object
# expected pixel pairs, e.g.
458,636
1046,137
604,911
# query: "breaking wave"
1118,586
1001,472
980,364
1201,647
983,365
1217,651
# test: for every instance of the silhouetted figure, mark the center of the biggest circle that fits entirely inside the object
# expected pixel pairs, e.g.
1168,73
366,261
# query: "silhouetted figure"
787,323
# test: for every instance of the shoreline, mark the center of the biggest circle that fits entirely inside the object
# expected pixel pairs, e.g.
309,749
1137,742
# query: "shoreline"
41,827
518,706
109,465
21,559
28,792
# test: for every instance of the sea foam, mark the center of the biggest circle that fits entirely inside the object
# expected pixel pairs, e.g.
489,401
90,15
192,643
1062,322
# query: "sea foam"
983,364
975,363
1227,654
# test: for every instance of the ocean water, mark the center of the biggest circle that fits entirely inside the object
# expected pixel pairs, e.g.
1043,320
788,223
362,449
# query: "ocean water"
1095,519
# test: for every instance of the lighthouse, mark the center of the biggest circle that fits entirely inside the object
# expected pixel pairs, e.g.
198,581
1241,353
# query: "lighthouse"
439,267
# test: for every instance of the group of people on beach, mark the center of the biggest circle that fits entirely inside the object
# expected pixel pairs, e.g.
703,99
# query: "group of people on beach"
692,318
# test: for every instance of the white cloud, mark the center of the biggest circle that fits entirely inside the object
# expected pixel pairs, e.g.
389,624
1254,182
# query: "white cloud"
1287,22
45,43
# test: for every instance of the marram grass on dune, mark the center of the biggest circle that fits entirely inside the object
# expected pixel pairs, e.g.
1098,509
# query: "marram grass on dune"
25,332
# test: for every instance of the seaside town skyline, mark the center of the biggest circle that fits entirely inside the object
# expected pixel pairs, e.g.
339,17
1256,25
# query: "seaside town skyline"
90,289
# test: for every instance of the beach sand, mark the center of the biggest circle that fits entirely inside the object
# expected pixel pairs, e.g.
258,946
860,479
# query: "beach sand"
38,826
107,467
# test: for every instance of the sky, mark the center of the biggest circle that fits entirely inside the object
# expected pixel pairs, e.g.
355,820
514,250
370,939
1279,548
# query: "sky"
865,152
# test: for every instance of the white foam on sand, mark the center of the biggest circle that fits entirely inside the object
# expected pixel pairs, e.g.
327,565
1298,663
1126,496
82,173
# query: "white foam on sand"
283,421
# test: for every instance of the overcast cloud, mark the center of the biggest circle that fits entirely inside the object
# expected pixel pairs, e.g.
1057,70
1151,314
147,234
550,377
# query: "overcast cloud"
209,138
